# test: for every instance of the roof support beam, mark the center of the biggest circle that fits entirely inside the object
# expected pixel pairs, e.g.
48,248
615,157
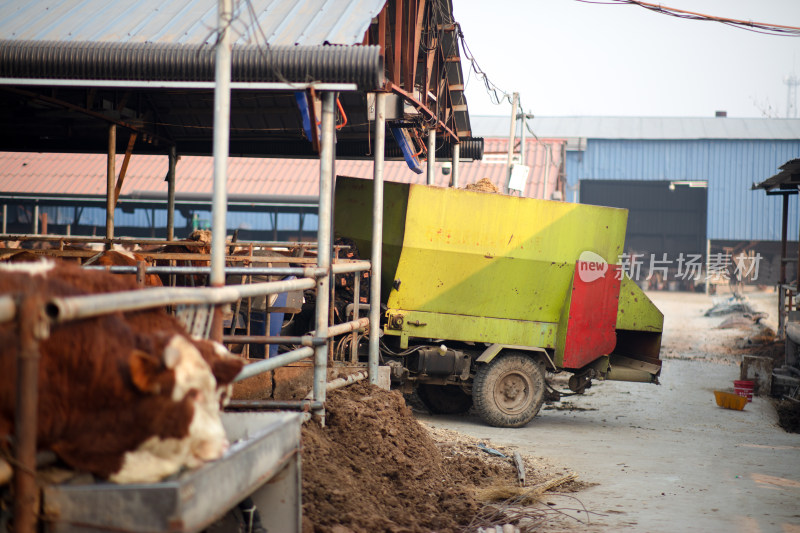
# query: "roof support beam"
422,108
312,111
430,58
417,34
398,41
382,31
150,84
110,172
173,161
79,109
124,169
408,43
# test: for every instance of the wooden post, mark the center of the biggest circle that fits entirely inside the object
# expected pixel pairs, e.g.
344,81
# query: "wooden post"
782,281
173,161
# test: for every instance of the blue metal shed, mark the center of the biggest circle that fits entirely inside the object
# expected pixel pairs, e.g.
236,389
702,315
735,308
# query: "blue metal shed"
730,154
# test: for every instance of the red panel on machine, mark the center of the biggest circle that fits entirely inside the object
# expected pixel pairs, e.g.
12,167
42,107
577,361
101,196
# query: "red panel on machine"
591,328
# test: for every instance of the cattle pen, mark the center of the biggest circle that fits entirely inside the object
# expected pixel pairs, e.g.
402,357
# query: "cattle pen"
332,84
197,307
35,316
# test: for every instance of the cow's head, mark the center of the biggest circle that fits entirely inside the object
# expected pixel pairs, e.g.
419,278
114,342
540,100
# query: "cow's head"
180,375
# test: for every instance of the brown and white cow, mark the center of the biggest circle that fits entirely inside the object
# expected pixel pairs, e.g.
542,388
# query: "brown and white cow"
126,258
127,397
202,238
115,257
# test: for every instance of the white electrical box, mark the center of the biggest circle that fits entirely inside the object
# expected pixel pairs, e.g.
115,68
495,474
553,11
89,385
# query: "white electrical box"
519,177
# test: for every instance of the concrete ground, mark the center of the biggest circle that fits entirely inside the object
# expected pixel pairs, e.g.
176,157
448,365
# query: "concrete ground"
666,458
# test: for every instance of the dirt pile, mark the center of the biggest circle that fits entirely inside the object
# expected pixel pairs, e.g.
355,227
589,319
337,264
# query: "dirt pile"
482,185
375,468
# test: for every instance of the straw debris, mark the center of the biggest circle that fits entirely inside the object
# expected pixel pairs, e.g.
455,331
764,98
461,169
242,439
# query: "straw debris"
501,490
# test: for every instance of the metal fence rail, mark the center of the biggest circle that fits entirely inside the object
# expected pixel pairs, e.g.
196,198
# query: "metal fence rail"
344,267
254,369
80,239
66,309
77,307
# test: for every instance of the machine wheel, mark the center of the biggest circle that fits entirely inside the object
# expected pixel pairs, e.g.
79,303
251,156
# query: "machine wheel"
509,391
443,399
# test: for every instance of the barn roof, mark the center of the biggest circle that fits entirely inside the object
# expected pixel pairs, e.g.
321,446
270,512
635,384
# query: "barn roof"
254,179
68,68
149,41
648,128
188,22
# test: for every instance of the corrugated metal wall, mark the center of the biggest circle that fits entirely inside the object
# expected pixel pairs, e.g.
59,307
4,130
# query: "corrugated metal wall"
730,167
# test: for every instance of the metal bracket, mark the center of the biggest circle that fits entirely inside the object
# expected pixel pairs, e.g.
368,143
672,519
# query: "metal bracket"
395,321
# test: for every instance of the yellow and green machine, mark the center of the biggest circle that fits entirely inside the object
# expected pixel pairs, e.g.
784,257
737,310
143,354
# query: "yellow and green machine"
486,294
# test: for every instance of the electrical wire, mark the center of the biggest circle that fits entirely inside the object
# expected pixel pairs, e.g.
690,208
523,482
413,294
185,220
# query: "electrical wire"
252,30
387,350
749,25
496,95
217,32
265,49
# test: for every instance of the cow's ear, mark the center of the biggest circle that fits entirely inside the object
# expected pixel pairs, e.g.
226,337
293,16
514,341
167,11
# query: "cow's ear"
145,370
226,369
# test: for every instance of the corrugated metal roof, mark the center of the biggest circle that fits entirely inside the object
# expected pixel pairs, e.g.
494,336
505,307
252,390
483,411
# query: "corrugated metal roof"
282,22
787,179
654,128
85,174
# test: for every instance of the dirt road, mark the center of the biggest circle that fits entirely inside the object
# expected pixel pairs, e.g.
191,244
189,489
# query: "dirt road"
666,458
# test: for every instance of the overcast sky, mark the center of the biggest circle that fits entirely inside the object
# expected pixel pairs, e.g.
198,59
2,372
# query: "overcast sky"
569,58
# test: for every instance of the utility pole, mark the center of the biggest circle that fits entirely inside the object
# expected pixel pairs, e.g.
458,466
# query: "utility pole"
432,156
511,132
523,117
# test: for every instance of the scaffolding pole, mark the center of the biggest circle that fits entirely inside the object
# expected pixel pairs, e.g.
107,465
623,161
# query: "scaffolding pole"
326,159
377,239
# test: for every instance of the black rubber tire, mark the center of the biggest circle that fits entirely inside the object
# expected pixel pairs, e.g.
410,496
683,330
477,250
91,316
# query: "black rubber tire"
444,399
509,391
